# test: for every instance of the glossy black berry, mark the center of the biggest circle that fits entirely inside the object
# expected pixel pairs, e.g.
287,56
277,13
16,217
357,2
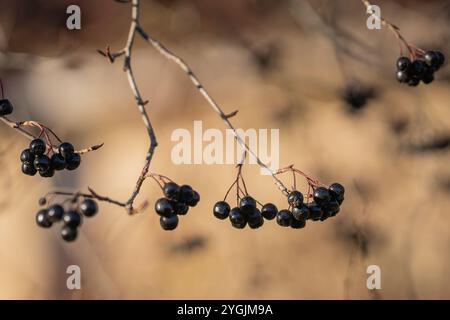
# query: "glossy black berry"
221,210
298,224
402,76
428,77
284,218
418,68
237,217
169,222
58,162
38,147
269,211
301,212
403,63
50,172
6,107
413,82
42,163
321,196
315,212
72,219
441,58
28,169
42,219
69,234
247,204
163,207
55,213
186,194
194,199
336,190
73,161
66,149
27,156
255,219
171,190
180,208
432,59
332,208
88,208
295,198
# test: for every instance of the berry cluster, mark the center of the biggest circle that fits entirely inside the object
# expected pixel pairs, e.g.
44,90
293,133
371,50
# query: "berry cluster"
6,107
326,204
72,218
34,159
421,69
176,201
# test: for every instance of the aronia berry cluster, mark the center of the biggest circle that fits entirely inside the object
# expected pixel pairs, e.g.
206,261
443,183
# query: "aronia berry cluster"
422,69
71,218
176,201
34,159
326,203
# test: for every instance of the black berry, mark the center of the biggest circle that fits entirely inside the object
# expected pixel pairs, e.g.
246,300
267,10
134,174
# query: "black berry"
301,212
295,198
336,190
269,211
432,59
42,219
315,212
163,207
255,219
88,208
169,222
28,169
180,208
298,224
42,163
72,219
332,208
38,147
58,162
403,63
66,150
402,76
73,161
284,218
6,107
194,199
247,204
69,234
50,172
55,213
221,210
186,194
171,190
27,156
321,196
237,218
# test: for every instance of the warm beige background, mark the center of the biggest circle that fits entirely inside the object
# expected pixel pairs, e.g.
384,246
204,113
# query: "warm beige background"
397,203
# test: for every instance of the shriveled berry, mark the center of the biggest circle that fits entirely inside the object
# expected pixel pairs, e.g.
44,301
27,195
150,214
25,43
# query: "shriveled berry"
192,202
88,208
164,207
221,210
66,150
27,156
284,218
269,211
69,234
42,219
321,196
6,107
171,190
169,222
55,213
72,219
301,212
42,163
186,194
237,217
298,224
247,204
28,169
38,147
58,162
295,198
403,63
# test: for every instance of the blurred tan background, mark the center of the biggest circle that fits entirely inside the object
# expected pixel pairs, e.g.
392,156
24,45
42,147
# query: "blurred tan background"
284,64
